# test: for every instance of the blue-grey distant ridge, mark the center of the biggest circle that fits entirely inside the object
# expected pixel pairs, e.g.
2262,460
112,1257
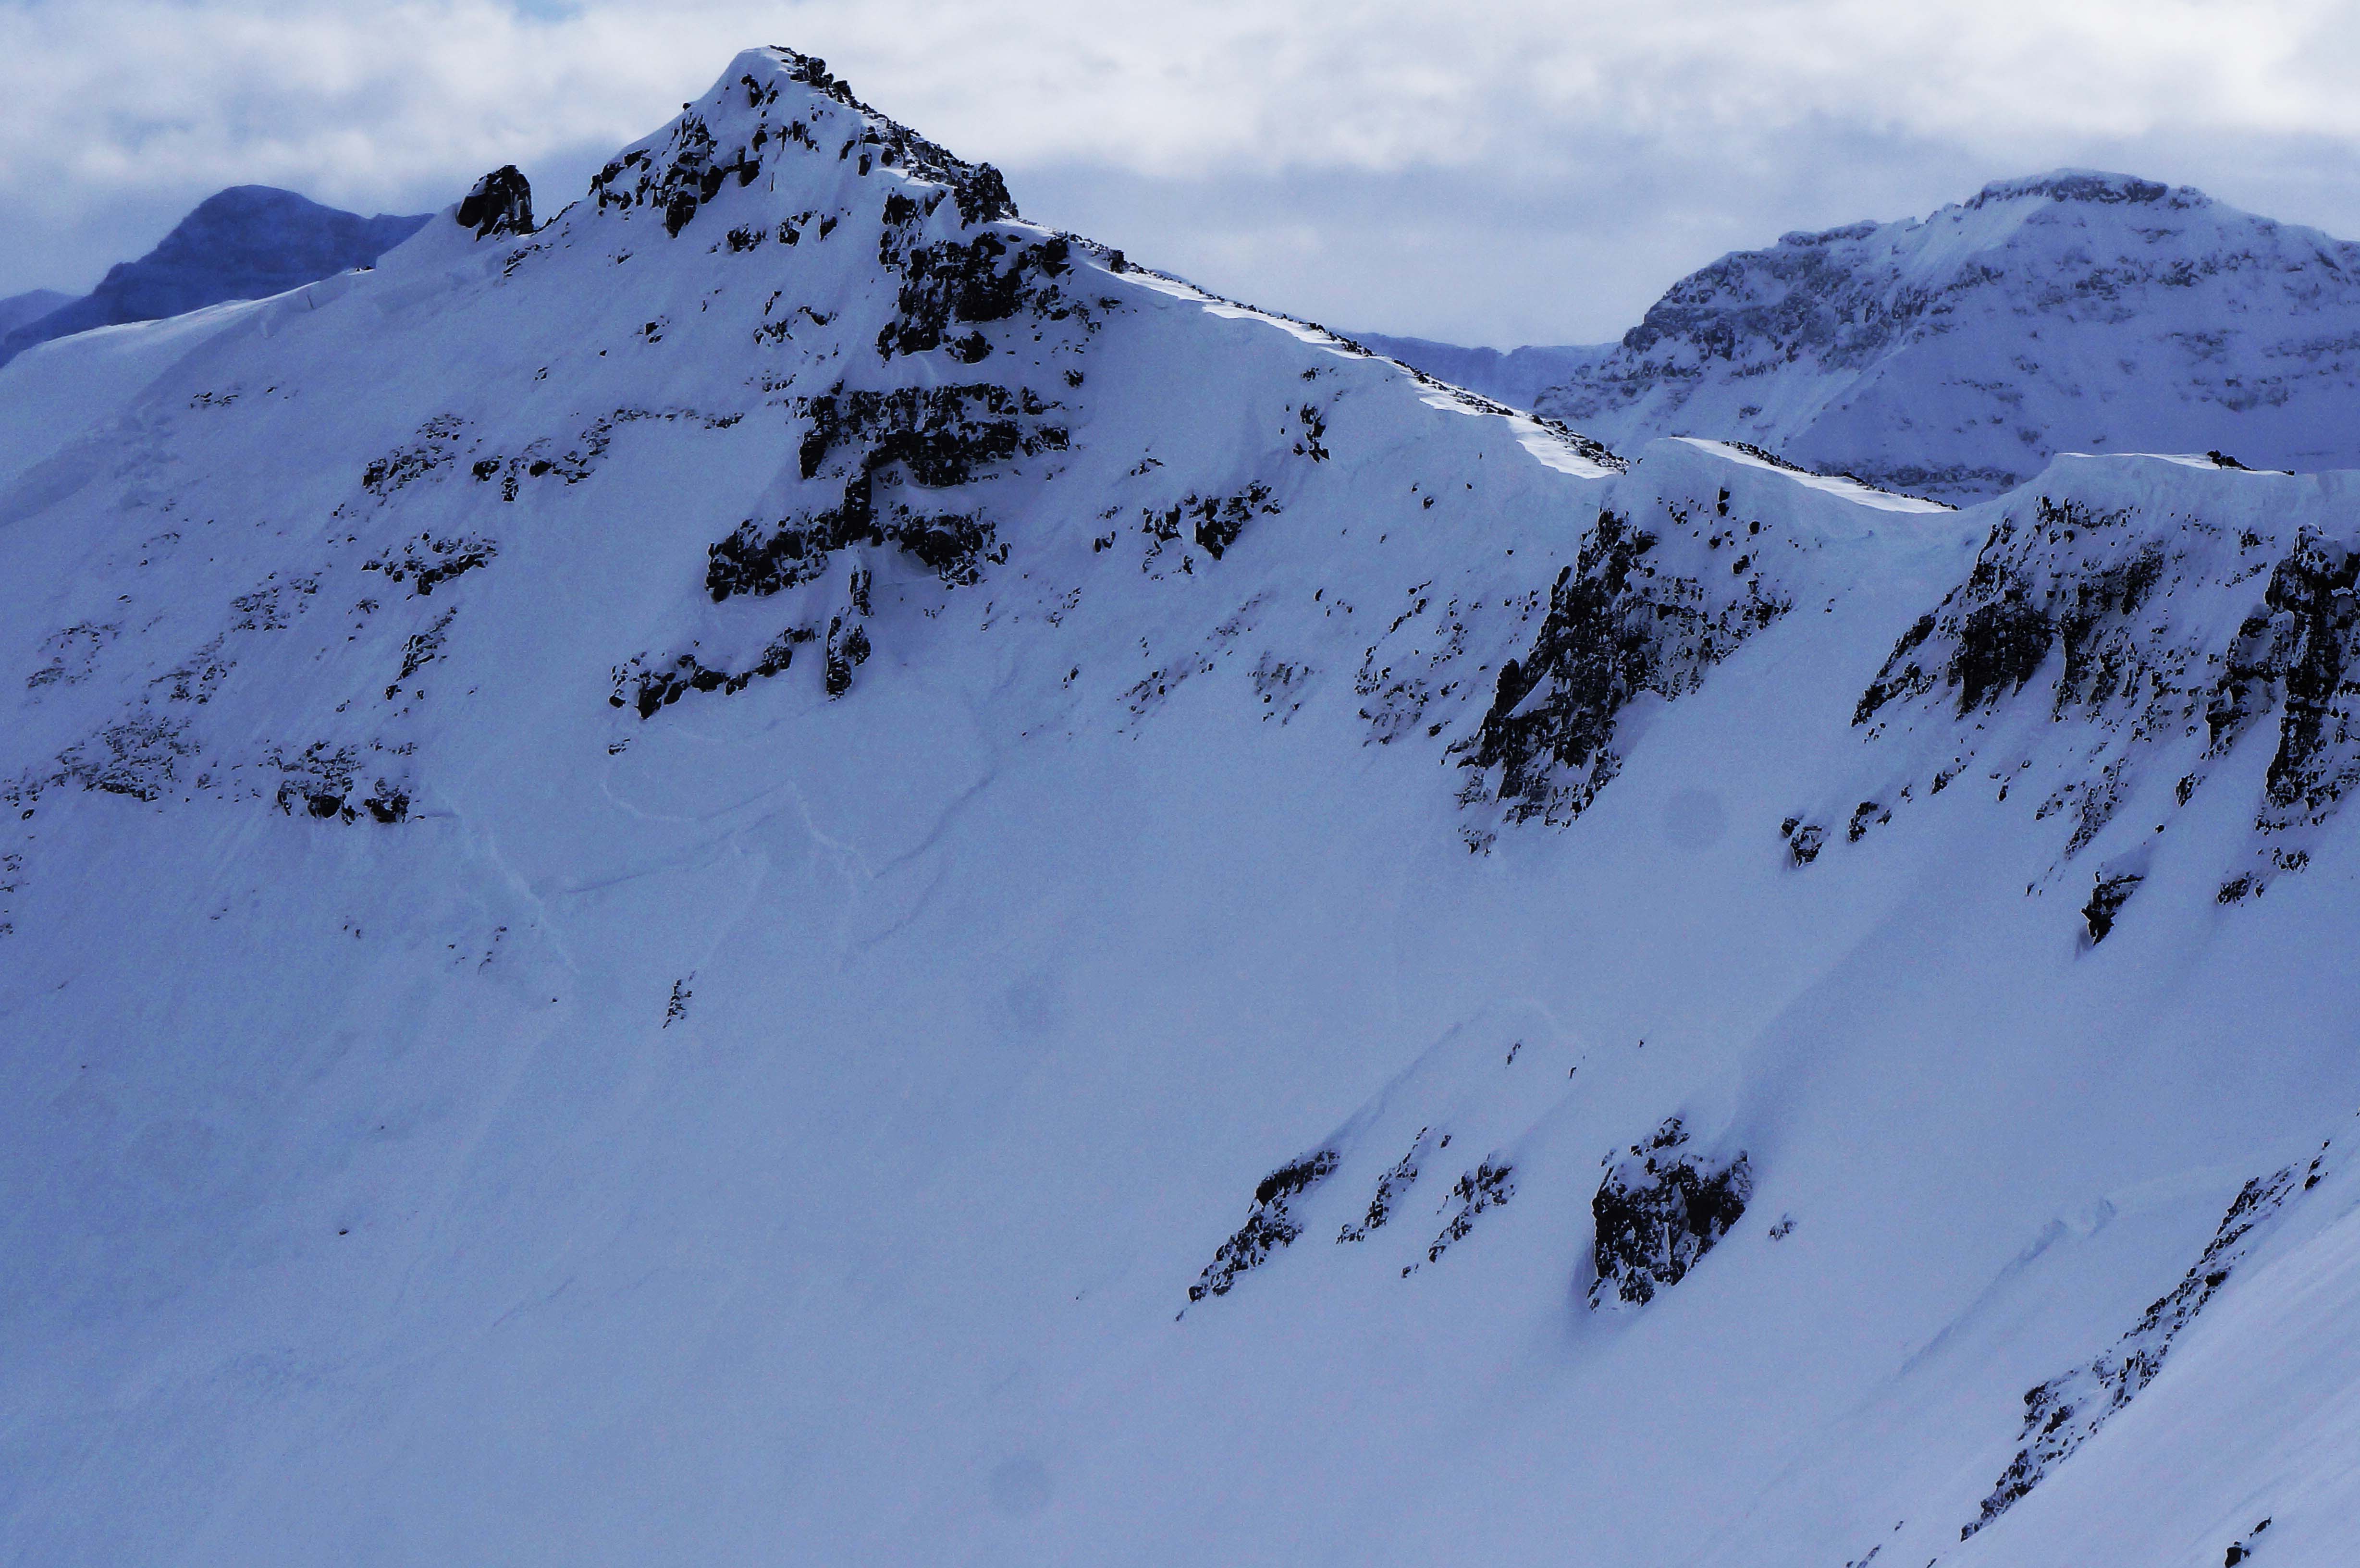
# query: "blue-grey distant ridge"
245,242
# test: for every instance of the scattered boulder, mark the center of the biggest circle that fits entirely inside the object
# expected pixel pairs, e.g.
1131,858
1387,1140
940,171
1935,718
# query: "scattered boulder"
1660,1209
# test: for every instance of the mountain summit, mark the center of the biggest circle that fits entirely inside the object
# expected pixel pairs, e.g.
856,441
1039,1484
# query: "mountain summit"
1954,355
791,870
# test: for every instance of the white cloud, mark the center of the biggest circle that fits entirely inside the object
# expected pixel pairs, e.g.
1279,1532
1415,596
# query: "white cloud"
1510,171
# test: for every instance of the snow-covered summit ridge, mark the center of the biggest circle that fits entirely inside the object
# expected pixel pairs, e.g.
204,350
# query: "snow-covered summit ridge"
2089,185
722,135
2077,309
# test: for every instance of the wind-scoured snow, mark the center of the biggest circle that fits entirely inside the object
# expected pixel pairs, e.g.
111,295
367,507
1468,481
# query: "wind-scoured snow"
794,870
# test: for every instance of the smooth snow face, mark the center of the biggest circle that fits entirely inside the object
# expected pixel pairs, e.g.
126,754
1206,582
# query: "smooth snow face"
791,871
1952,355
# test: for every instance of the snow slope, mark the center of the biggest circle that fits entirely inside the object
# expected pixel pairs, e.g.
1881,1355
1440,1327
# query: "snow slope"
1955,354
794,871
244,243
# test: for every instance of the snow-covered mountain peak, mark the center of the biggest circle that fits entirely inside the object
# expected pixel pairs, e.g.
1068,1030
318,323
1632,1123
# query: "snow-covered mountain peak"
791,868
1954,353
778,99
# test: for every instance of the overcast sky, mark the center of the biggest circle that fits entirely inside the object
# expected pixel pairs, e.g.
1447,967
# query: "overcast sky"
1501,172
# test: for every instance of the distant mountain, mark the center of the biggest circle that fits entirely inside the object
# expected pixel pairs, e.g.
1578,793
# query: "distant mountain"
245,242
1516,377
16,309
1955,354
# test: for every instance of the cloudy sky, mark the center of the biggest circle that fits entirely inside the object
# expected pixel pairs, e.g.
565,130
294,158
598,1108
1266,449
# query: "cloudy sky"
1504,173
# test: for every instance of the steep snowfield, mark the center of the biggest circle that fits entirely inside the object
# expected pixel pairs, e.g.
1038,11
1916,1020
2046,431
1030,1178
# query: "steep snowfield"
792,871
1955,354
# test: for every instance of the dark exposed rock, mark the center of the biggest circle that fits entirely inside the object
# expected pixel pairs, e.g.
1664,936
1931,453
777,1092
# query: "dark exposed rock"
1659,1211
646,688
435,446
431,560
2067,1411
982,197
2119,593
2305,647
1214,521
2001,645
1315,425
73,654
1615,628
690,172
694,167
2106,900
420,648
1804,840
967,282
847,648
1389,1186
1487,1186
501,203
942,437
137,755
1271,1225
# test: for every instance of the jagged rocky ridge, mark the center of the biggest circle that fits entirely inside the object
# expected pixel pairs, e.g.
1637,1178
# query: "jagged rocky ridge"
2159,638
725,1046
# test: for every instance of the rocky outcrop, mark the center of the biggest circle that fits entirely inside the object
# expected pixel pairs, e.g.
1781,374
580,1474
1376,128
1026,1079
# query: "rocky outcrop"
679,176
1628,618
935,438
2067,1411
2170,634
1271,1226
501,203
1659,1210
